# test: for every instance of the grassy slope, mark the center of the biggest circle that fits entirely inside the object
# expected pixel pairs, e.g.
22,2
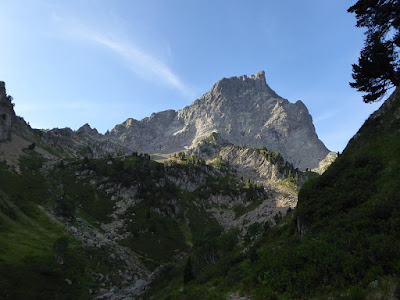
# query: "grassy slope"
352,217
28,268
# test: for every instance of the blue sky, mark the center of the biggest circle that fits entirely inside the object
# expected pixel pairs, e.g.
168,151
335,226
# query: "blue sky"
71,62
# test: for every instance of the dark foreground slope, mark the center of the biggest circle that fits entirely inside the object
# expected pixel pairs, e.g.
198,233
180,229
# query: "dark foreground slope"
343,239
30,242
355,207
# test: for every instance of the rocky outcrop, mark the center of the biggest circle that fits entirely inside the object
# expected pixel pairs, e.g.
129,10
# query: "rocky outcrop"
259,164
325,163
6,113
127,280
87,130
243,110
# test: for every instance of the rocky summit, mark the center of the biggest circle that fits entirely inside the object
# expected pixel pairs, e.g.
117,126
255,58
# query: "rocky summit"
243,111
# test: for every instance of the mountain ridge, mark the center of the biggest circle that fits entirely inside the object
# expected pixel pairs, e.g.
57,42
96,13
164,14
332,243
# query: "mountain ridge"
244,110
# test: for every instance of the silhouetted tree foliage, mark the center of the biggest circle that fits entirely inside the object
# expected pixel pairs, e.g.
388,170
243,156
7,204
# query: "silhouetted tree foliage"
378,67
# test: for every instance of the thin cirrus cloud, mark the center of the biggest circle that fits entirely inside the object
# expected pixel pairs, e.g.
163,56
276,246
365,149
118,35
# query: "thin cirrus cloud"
139,61
325,116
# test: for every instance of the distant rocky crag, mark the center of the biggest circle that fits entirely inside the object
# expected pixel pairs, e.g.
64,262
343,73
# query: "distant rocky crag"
65,142
243,111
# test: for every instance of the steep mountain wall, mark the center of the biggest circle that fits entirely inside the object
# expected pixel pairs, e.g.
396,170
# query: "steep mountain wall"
243,110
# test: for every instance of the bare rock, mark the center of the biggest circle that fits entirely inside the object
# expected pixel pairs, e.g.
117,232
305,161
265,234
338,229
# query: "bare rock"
59,259
68,281
243,110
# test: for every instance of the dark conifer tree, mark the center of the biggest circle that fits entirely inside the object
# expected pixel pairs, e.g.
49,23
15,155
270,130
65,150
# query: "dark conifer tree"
378,67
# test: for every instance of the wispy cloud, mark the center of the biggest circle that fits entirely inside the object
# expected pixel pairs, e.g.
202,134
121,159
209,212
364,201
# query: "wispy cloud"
138,60
325,116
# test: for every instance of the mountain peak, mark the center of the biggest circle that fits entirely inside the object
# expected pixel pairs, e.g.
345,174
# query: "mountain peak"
243,110
259,76
253,83
86,129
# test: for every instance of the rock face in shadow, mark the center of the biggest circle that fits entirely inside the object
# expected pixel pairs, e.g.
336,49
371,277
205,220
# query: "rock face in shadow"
243,110
6,113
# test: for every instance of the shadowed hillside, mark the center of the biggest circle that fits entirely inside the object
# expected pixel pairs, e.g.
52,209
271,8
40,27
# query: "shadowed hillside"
341,241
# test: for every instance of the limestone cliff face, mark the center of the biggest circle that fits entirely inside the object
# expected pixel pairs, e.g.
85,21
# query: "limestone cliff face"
243,110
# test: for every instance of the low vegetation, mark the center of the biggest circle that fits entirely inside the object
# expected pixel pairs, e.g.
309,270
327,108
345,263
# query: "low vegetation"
341,241
30,241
